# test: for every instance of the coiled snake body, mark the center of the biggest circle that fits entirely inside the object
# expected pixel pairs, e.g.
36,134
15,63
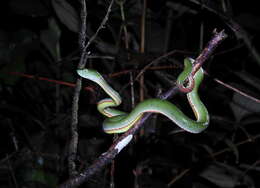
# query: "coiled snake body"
119,122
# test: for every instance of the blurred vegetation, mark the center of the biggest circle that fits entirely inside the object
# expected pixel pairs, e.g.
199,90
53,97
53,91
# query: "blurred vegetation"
39,54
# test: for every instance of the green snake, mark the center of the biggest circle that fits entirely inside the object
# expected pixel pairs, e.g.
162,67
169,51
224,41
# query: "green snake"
119,122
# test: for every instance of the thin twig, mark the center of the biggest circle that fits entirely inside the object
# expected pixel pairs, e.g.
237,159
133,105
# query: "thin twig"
74,130
91,89
253,138
176,178
158,59
236,90
155,61
13,177
83,59
142,46
101,26
73,144
83,29
122,12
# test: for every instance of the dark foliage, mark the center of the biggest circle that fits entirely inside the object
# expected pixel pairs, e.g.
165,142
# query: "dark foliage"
39,55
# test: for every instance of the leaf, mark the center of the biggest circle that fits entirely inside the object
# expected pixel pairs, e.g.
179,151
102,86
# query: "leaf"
249,78
13,56
67,14
233,148
208,149
39,175
51,37
32,8
226,176
249,20
242,106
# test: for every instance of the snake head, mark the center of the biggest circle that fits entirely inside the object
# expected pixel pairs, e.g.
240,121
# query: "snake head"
89,74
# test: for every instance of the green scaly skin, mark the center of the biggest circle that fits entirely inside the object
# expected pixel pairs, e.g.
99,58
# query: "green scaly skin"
119,122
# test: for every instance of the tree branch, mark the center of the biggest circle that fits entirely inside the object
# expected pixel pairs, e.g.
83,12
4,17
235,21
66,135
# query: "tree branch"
83,59
126,138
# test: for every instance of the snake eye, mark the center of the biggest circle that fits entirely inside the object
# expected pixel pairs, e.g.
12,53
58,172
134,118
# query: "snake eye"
191,60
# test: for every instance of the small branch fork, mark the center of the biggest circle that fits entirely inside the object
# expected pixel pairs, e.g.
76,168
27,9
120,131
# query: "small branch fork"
73,143
107,157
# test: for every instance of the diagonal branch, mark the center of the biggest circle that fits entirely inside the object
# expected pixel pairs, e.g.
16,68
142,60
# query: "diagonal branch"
126,138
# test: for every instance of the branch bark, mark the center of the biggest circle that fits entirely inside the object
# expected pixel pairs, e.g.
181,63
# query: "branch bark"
73,145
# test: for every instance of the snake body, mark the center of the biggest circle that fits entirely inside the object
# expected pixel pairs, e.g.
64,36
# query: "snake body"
119,122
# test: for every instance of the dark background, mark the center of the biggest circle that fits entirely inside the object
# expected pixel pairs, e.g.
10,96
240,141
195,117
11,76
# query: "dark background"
39,44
